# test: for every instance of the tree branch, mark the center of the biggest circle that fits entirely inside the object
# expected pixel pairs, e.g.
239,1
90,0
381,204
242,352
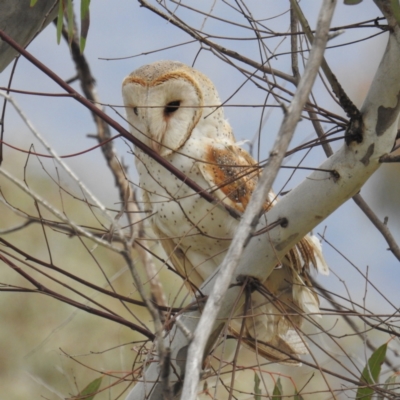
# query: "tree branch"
14,15
220,49
381,226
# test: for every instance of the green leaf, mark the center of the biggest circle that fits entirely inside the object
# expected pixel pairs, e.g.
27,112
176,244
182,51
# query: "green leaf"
60,20
33,2
82,44
396,10
70,18
352,2
371,372
278,392
92,387
257,390
85,22
84,8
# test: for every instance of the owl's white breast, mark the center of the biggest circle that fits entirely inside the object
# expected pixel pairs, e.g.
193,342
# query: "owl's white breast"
198,227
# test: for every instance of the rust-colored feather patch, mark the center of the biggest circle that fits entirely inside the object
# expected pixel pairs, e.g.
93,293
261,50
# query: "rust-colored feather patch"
234,174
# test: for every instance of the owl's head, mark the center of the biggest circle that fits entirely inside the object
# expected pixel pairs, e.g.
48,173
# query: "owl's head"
166,101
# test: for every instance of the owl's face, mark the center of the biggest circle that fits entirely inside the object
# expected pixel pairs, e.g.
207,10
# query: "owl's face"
165,101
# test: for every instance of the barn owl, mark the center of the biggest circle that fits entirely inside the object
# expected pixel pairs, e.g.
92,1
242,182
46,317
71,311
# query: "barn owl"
172,108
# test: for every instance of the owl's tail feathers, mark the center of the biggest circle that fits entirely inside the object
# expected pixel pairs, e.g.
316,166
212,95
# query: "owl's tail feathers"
315,250
283,350
271,330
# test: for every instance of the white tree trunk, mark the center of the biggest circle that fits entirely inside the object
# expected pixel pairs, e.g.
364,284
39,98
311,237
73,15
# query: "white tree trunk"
22,23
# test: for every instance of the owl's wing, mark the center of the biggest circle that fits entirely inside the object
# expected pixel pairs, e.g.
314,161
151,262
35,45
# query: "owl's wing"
179,260
232,174
273,323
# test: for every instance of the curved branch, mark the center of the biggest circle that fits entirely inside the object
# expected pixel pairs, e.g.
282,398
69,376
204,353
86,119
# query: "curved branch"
381,226
76,304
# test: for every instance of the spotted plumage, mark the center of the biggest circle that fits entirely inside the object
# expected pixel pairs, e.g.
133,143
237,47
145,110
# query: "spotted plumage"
174,109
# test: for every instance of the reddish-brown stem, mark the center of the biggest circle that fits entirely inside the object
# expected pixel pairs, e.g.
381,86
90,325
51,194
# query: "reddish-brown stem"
76,304
66,156
82,281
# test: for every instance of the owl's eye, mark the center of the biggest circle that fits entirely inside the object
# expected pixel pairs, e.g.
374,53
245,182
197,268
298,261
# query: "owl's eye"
171,107
135,110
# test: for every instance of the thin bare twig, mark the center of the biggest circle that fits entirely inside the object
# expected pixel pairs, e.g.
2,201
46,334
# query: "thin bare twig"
381,226
344,100
223,50
74,303
119,171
